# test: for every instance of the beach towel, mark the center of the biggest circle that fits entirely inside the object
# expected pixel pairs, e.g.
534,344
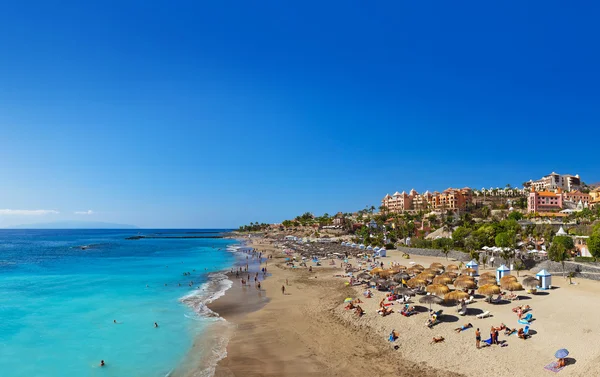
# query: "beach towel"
553,367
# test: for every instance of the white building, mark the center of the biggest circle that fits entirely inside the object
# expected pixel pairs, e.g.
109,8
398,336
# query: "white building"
554,181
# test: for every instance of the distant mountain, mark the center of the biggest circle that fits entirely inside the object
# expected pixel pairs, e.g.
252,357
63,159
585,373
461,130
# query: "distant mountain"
74,225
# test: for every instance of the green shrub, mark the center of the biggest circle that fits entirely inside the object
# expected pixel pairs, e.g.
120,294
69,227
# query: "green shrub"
585,259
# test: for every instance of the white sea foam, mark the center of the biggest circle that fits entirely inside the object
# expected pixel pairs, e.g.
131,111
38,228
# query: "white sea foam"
216,348
208,292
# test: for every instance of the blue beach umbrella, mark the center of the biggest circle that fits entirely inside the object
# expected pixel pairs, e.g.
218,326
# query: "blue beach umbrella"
561,353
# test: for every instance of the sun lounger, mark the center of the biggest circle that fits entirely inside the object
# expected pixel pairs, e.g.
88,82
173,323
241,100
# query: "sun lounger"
470,300
483,315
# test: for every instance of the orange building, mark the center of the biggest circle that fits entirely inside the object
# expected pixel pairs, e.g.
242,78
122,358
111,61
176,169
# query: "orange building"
449,199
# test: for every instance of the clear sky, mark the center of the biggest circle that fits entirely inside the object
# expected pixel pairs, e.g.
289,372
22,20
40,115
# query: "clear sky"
218,113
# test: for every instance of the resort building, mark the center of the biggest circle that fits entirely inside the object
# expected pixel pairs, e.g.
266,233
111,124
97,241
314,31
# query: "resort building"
450,199
577,197
554,181
544,201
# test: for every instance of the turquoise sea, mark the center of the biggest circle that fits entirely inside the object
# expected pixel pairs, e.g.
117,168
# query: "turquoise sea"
58,300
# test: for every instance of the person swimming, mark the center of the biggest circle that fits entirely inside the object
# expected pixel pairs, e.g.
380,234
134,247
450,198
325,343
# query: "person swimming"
114,321
102,363
155,324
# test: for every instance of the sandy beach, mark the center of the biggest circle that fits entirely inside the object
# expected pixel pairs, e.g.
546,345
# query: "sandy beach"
307,331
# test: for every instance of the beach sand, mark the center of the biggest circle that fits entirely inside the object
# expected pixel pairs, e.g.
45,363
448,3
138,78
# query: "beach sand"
307,332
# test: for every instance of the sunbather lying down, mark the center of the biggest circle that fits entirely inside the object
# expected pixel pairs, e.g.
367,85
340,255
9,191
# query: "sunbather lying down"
523,308
437,340
385,311
463,328
359,311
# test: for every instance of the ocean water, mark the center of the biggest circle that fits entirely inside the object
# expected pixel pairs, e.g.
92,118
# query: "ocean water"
58,301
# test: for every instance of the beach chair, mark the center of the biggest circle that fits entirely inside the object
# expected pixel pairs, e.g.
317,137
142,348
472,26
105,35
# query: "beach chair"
526,320
484,315
470,300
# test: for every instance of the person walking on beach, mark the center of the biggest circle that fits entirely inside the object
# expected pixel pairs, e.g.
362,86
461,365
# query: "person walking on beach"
283,289
258,286
477,338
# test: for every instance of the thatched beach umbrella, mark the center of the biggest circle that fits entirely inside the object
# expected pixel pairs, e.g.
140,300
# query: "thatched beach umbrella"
511,286
399,268
488,273
531,282
468,271
507,278
489,289
455,296
430,299
404,291
416,282
442,280
451,267
487,280
465,283
426,276
387,273
401,276
450,274
437,289
363,276
436,266
376,271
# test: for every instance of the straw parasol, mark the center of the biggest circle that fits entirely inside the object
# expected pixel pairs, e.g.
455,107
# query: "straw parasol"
426,275
468,271
413,271
418,267
487,280
489,289
431,271
399,268
531,282
451,267
376,270
442,280
450,274
430,299
455,296
488,273
511,286
404,291
363,276
387,273
401,276
508,278
465,283
416,282
436,266
437,289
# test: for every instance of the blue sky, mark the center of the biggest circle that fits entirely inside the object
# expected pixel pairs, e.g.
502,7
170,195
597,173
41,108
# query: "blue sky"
213,114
